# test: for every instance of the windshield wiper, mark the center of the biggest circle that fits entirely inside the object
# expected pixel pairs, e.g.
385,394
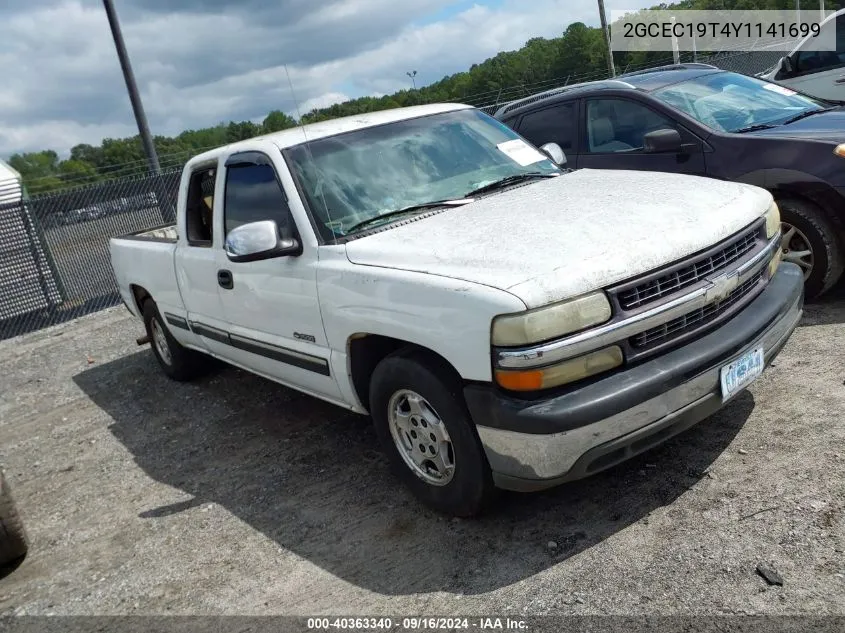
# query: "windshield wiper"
411,209
805,114
754,128
510,180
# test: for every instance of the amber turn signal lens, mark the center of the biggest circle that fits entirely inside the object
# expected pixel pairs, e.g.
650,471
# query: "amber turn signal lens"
562,373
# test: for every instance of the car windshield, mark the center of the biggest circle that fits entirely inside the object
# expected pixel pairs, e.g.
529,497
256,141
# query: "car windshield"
356,176
729,102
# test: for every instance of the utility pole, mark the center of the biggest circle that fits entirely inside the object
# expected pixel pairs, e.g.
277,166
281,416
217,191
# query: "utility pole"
610,67
132,87
413,74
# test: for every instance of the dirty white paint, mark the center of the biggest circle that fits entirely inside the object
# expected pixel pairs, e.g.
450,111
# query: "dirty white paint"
558,238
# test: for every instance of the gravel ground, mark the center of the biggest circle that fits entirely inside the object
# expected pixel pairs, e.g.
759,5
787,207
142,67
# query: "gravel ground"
233,495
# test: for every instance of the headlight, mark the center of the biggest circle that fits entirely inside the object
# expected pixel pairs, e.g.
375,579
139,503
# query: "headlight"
562,373
551,321
839,150
772,220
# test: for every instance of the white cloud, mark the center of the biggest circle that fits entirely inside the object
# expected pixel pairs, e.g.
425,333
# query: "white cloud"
200,63
322,101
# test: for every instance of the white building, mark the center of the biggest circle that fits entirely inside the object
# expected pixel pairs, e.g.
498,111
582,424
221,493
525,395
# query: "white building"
10,184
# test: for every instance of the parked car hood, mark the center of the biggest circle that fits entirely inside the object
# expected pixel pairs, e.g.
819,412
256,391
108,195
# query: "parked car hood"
558,238
824,126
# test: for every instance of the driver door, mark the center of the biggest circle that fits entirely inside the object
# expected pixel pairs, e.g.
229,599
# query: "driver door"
271,305
612,138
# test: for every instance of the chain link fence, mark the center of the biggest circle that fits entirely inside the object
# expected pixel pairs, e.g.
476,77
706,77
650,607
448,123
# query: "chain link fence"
54,248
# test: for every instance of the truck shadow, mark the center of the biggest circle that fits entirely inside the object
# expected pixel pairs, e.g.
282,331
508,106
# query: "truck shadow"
827,310
308,476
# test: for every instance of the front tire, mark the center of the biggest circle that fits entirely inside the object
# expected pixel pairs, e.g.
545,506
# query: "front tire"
13,540
811,241
177,362
417,406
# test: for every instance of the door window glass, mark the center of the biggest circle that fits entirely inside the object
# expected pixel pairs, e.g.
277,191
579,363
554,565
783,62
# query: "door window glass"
253,194
550,125
619,125
807,62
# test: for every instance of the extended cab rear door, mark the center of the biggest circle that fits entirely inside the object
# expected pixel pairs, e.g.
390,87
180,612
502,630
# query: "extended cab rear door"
196,260
271,306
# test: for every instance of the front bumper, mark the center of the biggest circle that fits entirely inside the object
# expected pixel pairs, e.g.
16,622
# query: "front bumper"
532,445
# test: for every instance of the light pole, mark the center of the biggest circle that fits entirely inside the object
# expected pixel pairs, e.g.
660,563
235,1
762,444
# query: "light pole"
610,66
412,74
132,87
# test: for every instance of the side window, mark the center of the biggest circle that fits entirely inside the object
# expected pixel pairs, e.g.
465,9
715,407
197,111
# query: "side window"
551,125
619,125
253,193
808,62
199,210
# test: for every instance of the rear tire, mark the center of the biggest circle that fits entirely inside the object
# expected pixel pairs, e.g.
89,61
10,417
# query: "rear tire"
414,393
13,540
805,227
177,362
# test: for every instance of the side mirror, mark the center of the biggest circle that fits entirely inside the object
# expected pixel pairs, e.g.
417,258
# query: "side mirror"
663,142
259,240
786,66
555,153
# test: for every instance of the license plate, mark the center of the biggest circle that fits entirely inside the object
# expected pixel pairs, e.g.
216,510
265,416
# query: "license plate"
741,372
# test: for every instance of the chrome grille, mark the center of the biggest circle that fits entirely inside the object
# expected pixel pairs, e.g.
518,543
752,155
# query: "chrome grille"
695,319
650,291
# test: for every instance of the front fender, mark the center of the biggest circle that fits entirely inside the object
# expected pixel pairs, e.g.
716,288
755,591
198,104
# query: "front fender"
448,316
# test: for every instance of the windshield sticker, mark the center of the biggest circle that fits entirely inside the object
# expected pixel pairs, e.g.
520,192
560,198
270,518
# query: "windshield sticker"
780,90
521,152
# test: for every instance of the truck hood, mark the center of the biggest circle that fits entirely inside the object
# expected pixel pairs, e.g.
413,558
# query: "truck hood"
558,238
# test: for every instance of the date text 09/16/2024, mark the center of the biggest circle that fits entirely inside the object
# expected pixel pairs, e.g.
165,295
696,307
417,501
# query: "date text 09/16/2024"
416,624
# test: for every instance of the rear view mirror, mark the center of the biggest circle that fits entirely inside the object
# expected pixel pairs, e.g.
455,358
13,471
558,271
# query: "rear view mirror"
663,141
259,240
555,153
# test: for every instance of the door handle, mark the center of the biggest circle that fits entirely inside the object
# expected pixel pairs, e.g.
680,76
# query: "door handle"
224,278
841,80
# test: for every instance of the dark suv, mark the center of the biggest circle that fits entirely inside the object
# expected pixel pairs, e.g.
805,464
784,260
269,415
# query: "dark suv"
697,119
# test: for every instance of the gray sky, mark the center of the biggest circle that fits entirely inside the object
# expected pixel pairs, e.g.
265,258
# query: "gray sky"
200,62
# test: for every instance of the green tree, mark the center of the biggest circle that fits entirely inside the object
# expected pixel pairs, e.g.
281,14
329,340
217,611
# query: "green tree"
277,121
78,172
241,131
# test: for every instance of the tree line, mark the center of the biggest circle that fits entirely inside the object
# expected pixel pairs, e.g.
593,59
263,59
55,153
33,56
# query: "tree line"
579,53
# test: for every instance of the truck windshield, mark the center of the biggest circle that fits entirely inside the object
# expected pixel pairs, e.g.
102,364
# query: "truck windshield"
729,102
353,177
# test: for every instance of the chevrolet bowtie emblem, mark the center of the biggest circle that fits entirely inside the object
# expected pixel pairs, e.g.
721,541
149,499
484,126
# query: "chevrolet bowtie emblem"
721,287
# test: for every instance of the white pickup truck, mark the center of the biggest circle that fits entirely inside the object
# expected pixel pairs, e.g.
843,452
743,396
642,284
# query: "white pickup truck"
506,322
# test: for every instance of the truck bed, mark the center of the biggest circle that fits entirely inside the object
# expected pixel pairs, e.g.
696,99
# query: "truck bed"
145,260
165,233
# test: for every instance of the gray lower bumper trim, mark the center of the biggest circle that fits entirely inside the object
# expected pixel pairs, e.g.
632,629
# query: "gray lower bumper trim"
524,461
